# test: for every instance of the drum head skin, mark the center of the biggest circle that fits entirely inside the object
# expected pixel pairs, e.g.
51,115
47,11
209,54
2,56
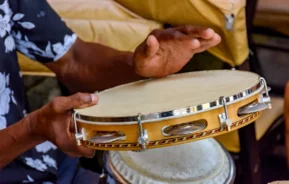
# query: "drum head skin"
203,161
170,93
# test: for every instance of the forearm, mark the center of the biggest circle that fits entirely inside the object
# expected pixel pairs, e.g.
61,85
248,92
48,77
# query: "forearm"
90,67
16,139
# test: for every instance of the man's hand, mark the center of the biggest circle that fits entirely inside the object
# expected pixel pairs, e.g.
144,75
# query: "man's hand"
89,67
166,52
54,123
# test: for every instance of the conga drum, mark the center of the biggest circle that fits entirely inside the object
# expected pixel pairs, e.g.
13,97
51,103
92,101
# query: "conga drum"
173,110
199,162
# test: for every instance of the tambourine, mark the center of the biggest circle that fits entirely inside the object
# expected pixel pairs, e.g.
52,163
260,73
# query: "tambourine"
173,110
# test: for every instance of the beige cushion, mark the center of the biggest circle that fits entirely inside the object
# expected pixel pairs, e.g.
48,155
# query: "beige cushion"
276,6
273,15
92,10
231,140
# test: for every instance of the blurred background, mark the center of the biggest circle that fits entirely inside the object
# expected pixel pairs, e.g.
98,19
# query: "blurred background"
254,37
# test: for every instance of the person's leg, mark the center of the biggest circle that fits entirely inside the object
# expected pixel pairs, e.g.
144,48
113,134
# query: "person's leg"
71,172
84,176
67,170
286,115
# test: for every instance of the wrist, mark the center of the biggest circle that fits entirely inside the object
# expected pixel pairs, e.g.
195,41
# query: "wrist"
23,135
128,59
35,126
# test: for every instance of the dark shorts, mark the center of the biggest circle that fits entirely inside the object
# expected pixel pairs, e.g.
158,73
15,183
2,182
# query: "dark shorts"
71,173
84,176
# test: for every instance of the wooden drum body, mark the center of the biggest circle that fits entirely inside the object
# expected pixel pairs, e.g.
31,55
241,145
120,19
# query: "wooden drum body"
172,110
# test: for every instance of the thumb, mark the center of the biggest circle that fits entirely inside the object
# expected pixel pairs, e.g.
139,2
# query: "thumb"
82,100
152,46
78,100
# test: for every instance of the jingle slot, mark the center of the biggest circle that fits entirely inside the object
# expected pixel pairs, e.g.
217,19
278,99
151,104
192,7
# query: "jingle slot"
263,103
184,128
101,137
252,108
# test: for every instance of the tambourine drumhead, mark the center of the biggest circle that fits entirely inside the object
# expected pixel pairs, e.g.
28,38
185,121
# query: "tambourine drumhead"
173,92
199,162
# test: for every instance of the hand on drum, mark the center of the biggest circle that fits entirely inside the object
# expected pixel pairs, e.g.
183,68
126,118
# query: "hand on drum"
53,122
89,67
165,52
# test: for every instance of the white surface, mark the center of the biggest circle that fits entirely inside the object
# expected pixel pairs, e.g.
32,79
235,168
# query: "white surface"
197,162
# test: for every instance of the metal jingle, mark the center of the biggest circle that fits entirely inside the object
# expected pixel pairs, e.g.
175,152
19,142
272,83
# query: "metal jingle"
108,137
252,108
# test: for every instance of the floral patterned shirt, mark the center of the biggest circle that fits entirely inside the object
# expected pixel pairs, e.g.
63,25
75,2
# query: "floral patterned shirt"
34,29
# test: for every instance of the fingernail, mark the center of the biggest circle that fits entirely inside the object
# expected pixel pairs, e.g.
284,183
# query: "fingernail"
209,29
195,42
217,37
93,97
148,40
85,98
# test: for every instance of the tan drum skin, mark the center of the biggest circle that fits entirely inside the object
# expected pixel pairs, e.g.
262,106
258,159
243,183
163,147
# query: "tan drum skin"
154,128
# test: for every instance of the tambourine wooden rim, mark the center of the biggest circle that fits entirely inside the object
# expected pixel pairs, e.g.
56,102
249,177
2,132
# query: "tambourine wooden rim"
173,140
